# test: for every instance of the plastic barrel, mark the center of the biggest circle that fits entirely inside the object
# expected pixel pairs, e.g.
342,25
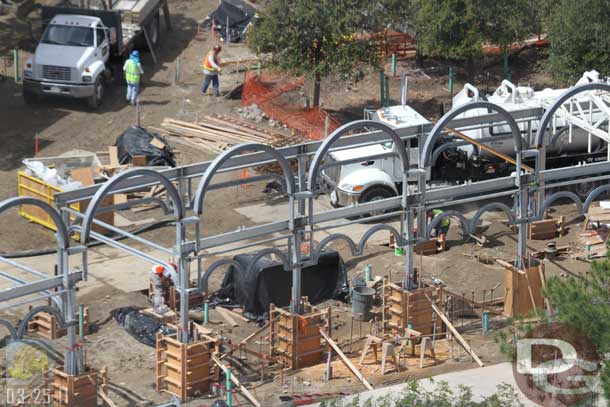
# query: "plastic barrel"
362,302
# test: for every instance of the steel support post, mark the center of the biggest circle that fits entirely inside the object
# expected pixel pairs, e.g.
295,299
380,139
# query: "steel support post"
296,302
540,166
70,362
183,277
409,280
523,216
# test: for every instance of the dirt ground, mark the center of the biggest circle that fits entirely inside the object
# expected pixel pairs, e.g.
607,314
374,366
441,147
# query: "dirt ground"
63,125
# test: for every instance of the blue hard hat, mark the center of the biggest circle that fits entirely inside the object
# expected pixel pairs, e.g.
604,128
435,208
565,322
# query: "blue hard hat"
135,54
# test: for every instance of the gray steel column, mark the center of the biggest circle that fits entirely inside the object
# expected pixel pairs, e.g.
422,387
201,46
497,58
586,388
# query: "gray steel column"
183,277
296,301
70,364
523,216
409,279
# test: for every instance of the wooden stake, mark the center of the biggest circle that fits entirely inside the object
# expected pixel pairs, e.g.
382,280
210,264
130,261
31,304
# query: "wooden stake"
346,361
455,332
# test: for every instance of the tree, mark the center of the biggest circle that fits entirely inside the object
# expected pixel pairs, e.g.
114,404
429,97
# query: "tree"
585,305
318,38
414,395
457,29
580,39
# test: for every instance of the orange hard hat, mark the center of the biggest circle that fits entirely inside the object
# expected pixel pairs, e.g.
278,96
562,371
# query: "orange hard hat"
159,269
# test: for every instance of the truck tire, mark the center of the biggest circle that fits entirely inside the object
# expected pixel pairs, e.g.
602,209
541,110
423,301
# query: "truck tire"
29,97
95,100
376,193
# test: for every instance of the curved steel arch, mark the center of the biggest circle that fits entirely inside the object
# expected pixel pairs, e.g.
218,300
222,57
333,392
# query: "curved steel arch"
62,230
23,325
113,183
341,131
226,155
558,195
594,194
426,154
202,284
548,114
369,233
490,207
329,239
448,214
10,327
266,252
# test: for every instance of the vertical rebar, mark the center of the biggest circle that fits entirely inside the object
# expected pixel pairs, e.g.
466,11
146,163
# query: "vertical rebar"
81,321
393,64
228,387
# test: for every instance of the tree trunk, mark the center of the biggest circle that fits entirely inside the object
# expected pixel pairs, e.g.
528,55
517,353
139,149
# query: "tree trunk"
316,90
470,67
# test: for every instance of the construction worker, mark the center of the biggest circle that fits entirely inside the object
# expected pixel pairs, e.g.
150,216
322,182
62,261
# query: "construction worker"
159,276
442,228
133,72
211,70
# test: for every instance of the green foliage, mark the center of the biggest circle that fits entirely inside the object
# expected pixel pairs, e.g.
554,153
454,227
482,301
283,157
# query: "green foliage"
585,305
580,38
413,395
317,38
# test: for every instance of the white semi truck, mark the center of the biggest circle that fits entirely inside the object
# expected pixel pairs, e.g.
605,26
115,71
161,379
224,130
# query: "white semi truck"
568,144
73,57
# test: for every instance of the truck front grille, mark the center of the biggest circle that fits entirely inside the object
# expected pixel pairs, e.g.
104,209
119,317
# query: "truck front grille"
56,73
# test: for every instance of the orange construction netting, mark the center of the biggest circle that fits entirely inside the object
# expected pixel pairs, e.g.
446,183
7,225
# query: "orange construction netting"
270,94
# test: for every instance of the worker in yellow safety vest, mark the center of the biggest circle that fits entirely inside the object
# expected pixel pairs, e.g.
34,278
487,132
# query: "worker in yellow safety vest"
133,73
211,70
442,228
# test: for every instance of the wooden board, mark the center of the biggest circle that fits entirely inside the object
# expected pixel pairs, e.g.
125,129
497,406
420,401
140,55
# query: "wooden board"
519,289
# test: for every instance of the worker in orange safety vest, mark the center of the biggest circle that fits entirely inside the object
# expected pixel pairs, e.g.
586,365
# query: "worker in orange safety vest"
211,70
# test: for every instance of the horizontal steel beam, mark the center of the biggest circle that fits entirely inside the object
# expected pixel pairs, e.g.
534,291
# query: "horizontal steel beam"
38,286
290,152
243,234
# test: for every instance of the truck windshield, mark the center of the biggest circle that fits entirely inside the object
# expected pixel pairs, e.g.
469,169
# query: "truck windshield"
68,35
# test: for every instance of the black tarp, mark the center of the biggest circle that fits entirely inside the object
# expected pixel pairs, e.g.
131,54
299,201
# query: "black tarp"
268,283
238,14
136,141
142,327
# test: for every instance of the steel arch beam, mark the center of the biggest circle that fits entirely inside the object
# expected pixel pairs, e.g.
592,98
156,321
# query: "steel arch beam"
62,230
23,325
369,233
329,239
490,207
202,284
548,114
219,161
558,195
9,327
426,154
115,182
266,252
592,195
340,132
448,214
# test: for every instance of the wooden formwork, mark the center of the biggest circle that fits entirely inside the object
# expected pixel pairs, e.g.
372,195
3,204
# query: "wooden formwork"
545,229
296,338
402,307
523,290
46,325
184,370
78,390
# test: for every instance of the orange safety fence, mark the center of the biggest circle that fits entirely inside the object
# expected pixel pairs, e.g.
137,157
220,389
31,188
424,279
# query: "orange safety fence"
270,93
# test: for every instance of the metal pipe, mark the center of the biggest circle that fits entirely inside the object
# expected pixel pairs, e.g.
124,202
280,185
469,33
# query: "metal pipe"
81,321
228,386
28,301
23,267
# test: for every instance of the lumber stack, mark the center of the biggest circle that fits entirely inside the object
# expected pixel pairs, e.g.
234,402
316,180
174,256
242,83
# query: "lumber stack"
217,133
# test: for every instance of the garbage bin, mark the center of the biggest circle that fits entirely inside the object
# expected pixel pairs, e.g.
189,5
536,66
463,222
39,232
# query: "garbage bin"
362,302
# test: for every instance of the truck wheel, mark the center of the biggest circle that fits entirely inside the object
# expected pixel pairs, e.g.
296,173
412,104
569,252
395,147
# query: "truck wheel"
29,97
95,100
376,194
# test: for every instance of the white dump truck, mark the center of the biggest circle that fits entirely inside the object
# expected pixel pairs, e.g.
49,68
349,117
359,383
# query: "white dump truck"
73,57
576,137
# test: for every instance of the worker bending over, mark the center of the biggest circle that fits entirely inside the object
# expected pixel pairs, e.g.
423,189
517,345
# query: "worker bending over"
441,229
211,70
159,279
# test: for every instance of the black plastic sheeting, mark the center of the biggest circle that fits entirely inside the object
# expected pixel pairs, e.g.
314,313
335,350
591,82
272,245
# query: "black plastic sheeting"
135,141
239,15
142,327
268,283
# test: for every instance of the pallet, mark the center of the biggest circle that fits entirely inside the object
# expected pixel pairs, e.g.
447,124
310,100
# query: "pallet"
184,370
295,338
401,308
545,229
46,325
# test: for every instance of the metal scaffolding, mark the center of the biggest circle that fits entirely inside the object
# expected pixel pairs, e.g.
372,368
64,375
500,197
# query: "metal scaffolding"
303,224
